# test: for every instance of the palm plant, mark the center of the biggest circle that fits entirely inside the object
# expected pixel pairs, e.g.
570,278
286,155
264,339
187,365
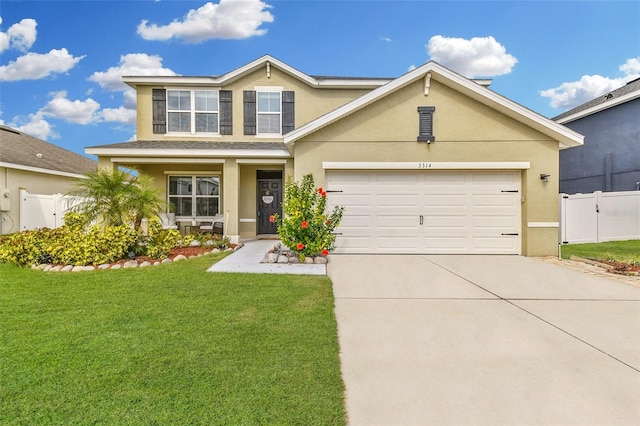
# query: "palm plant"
115,197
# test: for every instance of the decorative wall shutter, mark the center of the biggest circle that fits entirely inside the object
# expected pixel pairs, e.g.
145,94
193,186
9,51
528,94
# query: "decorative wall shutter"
426,124
226,112
159,100
249,99
288,112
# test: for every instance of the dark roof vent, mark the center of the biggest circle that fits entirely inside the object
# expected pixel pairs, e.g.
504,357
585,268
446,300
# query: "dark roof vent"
608,96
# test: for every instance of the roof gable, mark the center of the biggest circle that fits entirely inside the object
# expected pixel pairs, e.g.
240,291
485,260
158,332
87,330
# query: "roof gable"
264,62
565,136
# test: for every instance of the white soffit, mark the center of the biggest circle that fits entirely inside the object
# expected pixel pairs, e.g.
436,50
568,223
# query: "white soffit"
201,154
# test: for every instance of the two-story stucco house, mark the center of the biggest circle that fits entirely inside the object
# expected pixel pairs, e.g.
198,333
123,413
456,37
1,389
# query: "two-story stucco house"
429,162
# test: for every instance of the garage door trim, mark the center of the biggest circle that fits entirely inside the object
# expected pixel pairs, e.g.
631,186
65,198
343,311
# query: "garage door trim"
427,165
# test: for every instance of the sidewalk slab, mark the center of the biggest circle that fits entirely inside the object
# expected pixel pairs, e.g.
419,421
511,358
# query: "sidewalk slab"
247,260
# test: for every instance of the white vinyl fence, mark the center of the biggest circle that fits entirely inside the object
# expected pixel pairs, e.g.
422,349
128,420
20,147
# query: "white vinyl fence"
42,211
599,217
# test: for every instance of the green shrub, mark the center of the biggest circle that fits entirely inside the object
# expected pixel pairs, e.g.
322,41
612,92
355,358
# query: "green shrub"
161,243
68,245
306,228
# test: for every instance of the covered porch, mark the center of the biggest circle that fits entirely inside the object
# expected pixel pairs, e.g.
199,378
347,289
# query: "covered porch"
210,186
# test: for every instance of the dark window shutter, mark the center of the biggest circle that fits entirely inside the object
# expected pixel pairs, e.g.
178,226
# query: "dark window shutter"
226,112
426,124
249,99
159,100
288,112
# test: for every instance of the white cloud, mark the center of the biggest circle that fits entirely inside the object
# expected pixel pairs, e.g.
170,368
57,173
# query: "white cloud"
229,19
139,64
78,112
37,126
34,66
119,115
478,57
19,36
571,94
387,39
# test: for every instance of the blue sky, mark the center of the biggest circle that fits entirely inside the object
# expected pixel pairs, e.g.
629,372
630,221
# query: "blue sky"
61,61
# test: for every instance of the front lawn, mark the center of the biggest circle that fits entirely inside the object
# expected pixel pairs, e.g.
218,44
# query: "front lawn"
619,251
170,344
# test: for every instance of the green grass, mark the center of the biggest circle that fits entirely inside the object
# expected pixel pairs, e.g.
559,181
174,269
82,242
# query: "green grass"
167,345
620,251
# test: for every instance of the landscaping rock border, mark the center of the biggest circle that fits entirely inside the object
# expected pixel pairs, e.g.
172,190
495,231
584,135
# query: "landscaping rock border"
125,264
279,253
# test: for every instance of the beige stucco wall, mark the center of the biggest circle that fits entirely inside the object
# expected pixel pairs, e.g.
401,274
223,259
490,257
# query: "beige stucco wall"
311,102
465,131
35,183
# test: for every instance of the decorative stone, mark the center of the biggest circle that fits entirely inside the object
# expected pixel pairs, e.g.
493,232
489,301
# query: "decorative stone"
156,263
145,264
47,268
116,266
165,261
215,250
179,257
130,264
308,260
283,259
66,268
228,249
320,260
272,257
294,259
195,243
77,268
56,268
104,266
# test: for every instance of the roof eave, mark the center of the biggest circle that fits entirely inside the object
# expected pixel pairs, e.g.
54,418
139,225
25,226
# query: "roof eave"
601,107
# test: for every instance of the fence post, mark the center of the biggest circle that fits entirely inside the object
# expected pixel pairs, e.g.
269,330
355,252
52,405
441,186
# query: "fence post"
23,208
598,216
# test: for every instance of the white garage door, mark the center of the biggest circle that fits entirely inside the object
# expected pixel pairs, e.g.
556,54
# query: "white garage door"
430,212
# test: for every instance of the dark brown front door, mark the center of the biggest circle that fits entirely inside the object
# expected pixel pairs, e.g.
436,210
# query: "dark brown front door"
269,203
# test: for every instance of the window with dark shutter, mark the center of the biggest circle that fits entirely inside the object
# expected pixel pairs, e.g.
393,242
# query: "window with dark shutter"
226,112
426,124
159,101
288,112
249,100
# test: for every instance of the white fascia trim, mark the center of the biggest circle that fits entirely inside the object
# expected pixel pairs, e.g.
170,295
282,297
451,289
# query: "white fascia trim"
543,224
187,153
147,160
566,136
427,165
601,107
372,83
41,170
260,161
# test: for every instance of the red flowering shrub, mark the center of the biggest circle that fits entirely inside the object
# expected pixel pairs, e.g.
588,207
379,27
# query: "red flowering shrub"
307,228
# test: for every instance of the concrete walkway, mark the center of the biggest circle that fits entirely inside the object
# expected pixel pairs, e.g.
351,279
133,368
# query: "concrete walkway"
485,340
247,260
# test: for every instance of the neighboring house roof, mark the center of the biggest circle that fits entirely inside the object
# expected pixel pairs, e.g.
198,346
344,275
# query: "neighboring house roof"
565,136
266,60
626,93
180,151
24,152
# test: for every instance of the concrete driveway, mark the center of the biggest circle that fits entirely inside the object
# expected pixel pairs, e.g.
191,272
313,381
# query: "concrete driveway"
485,340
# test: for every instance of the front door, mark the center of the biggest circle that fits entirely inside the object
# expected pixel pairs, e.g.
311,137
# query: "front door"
269,203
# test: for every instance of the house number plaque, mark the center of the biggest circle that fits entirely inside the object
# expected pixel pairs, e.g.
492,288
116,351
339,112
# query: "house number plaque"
267,199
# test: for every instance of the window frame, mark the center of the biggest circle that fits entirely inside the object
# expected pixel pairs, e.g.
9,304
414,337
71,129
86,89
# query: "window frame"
269,89
192,111
194,196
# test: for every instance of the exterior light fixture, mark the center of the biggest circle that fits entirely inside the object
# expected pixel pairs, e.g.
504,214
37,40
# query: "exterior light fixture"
544,177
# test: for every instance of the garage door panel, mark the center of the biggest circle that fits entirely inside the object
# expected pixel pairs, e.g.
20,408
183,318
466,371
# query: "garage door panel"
427,211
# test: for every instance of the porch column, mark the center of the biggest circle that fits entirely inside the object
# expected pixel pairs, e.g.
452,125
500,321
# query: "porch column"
230,189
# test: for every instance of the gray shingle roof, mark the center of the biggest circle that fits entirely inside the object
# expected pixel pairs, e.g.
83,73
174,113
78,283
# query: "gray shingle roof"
630,87
22,149
194,145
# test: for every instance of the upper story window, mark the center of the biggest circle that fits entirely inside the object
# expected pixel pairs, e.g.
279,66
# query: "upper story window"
192,111
269,112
